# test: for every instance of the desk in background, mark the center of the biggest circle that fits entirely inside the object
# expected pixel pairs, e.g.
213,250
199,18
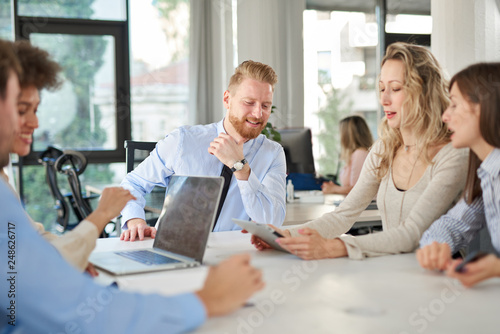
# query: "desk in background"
313,204
389,294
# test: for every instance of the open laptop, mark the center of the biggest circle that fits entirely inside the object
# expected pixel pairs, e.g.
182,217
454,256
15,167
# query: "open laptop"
184,225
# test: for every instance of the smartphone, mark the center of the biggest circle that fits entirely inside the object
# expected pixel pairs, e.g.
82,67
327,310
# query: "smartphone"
472,257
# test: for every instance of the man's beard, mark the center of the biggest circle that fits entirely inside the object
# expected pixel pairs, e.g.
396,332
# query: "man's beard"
244,131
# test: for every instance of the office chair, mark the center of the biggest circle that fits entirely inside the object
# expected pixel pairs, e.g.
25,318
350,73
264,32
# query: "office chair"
72,164
48,159
135,153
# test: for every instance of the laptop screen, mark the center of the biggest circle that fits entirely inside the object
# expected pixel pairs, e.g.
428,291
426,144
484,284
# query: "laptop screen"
188,213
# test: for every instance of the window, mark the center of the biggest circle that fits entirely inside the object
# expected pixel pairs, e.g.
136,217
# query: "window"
81,9
91,112
82,114
341,66
408,22
339,78
6,20
110,93
159,67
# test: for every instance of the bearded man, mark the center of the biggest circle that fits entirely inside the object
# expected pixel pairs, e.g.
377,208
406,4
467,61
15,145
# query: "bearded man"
254,166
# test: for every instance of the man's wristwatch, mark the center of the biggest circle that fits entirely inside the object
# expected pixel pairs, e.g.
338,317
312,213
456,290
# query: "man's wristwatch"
238,165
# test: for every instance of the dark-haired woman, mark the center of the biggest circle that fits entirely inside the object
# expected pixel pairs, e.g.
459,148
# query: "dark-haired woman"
474,119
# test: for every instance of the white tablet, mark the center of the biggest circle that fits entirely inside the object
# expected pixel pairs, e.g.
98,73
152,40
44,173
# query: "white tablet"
262,231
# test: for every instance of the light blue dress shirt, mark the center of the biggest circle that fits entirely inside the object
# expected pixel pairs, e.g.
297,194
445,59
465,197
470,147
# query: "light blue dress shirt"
185,152
42,293
462,222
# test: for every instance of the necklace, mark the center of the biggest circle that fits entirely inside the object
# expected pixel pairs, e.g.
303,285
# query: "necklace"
407,147
404,192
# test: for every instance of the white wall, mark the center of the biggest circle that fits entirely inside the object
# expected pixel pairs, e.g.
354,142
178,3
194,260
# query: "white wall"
270,31
465,32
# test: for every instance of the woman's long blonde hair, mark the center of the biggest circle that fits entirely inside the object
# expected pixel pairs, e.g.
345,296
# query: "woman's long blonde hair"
426,100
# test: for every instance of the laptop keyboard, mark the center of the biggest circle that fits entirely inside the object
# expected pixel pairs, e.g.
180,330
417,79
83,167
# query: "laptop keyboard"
146,257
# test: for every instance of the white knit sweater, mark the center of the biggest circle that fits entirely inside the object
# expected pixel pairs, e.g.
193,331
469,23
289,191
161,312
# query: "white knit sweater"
437,191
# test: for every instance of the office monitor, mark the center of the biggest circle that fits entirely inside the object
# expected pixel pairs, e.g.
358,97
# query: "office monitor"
297,144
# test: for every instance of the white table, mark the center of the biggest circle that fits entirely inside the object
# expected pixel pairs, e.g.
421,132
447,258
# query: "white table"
389,294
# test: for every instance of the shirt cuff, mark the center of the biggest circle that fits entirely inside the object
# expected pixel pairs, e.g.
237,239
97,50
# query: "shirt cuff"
294,232
76,245
353,251
131,212
250,186
193,307
87,229
429,238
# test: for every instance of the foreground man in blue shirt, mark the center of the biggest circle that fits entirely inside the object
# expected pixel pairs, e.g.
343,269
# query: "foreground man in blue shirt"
257,188
45,294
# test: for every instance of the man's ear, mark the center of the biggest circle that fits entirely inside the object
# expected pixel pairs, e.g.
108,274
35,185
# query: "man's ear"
226,99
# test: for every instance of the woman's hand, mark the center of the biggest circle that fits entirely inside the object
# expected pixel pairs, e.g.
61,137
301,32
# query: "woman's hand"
261,244
475,272
312,246
112,201
436,256
91,270
330,188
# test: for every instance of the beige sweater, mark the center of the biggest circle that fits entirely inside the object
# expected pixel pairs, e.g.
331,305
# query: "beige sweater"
74,246
437,190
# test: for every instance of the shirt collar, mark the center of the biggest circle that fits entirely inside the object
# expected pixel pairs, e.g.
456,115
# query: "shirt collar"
220,128
491,165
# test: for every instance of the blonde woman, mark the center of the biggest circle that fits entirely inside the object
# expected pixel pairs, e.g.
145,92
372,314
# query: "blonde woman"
355,141
413,169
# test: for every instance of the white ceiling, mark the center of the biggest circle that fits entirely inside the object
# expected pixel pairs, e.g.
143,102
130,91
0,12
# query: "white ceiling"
419,7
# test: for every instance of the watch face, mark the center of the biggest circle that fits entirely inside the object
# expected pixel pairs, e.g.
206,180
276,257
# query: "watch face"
238,165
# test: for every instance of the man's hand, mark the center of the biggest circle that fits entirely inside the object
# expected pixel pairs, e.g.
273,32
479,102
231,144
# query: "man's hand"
475,272
113,200
228,151
312,246
436,256
137,227
229,285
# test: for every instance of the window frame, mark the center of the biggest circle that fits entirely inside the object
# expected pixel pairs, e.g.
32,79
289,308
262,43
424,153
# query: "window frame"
25,25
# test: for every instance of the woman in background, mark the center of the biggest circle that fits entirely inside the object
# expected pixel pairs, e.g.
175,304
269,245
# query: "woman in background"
474,119
355,141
